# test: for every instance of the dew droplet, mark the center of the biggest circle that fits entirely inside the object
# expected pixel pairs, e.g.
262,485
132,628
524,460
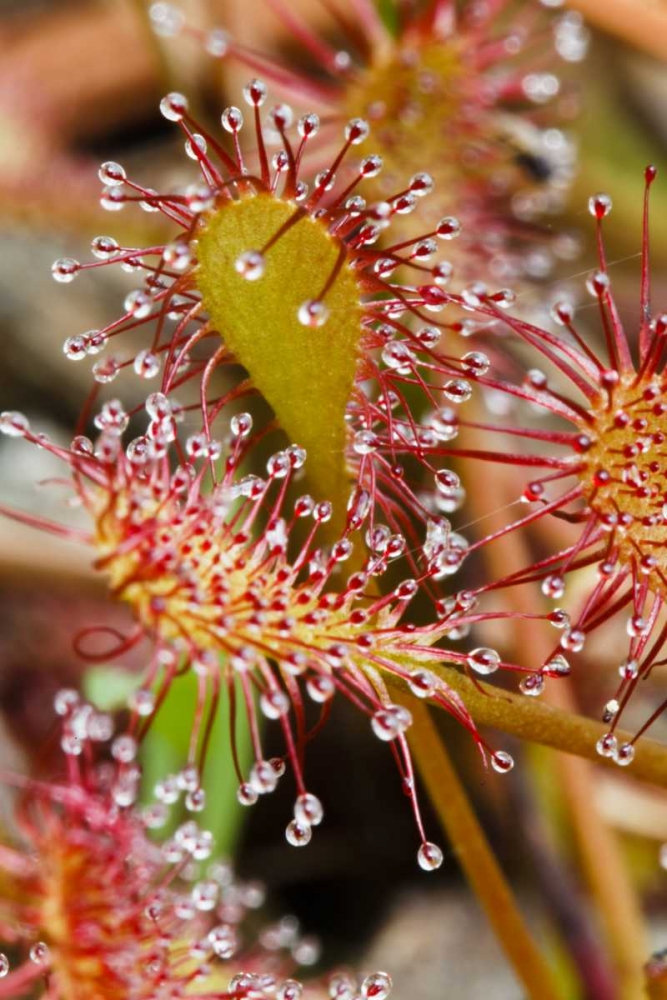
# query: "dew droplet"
312,313
308,810
390,721
356,130
217,43
146,364
557,666
365,442
223,940
457,390
232,120
124,749
429,856
308,125
483,660
112,174
246,794
13,423
628,670
448,228
166,20
274,704
142,701
65,269
501,761
40,954
532,685
553,586
298,834
251,265
138,304
290,989
195,146
624,754
104,247
320,688
376,986
174,107
606,745
105,371
599,205
423,683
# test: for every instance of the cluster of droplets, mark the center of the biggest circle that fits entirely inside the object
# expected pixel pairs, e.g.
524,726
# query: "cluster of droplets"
163,916
170,554
507,159
383,431
611,481
247,587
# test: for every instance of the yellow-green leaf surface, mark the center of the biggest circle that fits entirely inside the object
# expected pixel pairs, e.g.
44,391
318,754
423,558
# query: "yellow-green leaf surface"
305,373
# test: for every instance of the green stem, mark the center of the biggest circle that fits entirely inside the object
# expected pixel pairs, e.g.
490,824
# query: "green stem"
475,856
540,723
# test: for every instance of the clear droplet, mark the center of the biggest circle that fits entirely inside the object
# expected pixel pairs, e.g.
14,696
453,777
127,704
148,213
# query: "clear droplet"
65,269
599,205
298,834
448,228
483,660
308,810
429,856
146,364
13,423
313,313
104,247
390,721
40,954
532,685
251,265
112,174
423,683
174,107
502,762
624,755
376,986
232,120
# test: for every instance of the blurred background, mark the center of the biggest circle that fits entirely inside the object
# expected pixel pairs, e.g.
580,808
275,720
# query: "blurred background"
80,82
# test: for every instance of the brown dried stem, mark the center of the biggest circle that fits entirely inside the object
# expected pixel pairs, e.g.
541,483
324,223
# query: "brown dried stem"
475,856
600,857
642,25
548,726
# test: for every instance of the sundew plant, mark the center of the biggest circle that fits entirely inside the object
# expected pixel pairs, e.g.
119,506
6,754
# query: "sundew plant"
347,428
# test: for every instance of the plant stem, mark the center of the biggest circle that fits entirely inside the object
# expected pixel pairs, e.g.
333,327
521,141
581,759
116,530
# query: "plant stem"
475,855
642,25
599,851
551,727
607,877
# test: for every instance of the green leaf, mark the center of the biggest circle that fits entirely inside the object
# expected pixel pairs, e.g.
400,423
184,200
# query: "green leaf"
165,748
108,688
165,751
305,373
389,14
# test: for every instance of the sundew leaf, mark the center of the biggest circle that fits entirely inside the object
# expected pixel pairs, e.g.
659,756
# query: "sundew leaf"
306,373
